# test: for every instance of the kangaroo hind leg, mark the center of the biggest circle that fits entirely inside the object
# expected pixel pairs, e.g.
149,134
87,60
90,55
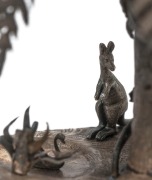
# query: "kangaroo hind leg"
106,132
112,116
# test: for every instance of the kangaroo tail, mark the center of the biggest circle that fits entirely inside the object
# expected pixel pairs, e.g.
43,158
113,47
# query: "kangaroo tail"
126,132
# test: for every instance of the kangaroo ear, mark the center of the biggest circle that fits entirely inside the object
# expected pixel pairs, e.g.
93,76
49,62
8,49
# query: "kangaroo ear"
110,46
102,48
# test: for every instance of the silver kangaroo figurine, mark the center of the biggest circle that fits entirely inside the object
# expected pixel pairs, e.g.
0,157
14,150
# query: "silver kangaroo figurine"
110,95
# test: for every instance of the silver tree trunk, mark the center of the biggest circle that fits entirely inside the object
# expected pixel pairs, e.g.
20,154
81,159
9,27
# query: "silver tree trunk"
140,159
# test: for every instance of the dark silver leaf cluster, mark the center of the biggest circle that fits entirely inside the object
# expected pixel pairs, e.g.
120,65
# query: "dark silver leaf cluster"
8,24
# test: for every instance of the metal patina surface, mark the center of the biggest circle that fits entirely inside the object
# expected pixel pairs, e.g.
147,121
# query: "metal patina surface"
8,24
110,95
92,159
139,26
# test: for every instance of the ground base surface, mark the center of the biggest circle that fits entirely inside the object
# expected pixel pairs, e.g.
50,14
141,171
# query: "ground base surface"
92,159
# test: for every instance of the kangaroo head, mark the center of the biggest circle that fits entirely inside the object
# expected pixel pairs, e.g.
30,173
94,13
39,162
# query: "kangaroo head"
106,56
